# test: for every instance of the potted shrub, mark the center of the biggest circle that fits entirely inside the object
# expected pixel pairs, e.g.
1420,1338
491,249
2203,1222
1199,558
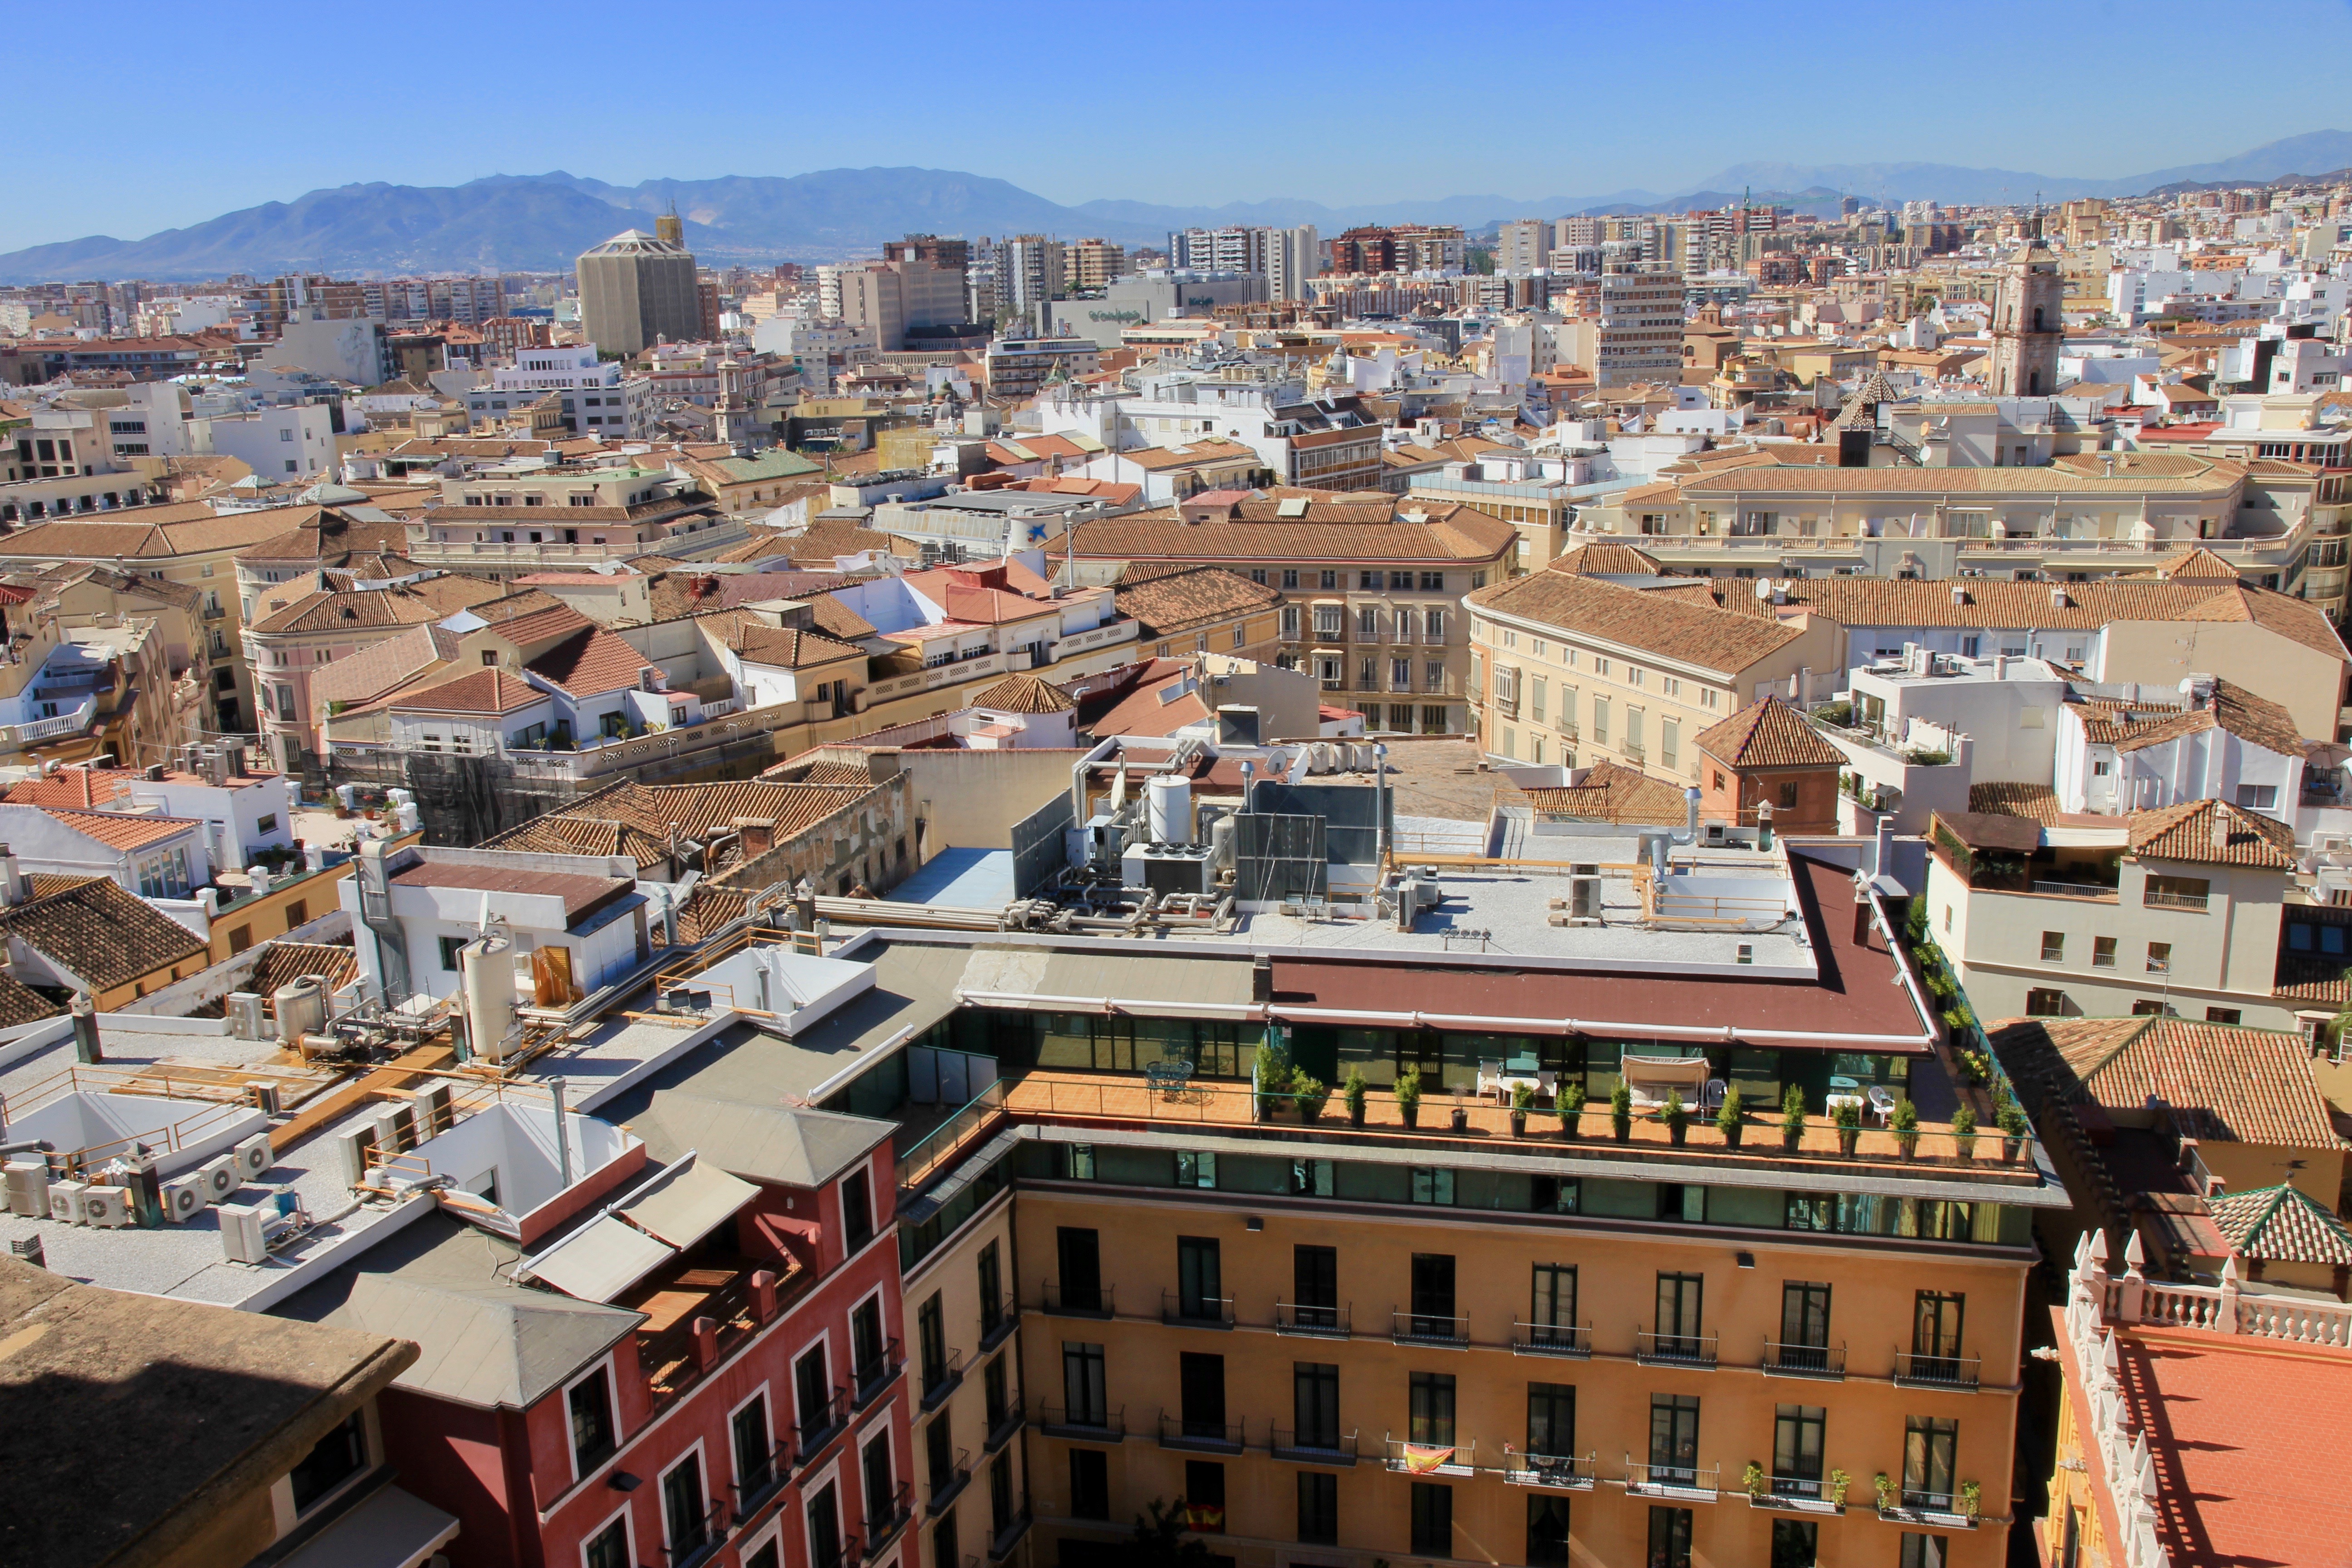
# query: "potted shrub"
1273,1082
1311,1094
1905,1122
1792,1119
1885,1489
1971,1498
1571,1107
1408,1096
1353,1091
1964,1132
1834,1487
1753,1479
1846,1116
2012,1132
1620,1112
1677,1116
1522,1096
1461,1118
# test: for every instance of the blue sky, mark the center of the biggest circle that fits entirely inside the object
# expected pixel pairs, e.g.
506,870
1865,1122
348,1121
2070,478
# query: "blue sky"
174,116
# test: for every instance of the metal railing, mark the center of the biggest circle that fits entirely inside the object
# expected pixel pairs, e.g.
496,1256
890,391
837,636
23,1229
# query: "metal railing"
945,1489
1696,1481
1001,1544
831,1419
998,1318
1315,1322
1798,1492
2155,901
1915,1370
941,1380
1285,1444
1096,1303
1002,1426
1567,1472
1553,1338
1191,1432
1803,1361
883,1528
1093,1426
763,1479
1428,1329
1197,1312
1409,1457
1673,1350
699,1541
945,1142
674,1357
875,1376
2076,890
1919,1499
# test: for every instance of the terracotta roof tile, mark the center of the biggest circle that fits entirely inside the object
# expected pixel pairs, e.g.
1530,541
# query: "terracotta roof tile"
2212,833
2034,801
122,830
1177,600
92,929
490,691
1611,792
2234,708
2281,1225
1023,694
1768,734
283,963
1377,532
2246,1086
635,818
1702,634
1607,559
590,662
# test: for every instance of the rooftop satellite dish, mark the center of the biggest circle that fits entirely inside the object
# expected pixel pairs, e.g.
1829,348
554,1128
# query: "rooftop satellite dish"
1763,587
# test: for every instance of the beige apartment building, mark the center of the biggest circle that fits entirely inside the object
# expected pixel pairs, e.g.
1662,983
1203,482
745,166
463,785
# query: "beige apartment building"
575,516
1372,587
1569,669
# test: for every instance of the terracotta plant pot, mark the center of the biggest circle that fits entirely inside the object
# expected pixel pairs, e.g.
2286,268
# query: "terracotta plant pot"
1518,1123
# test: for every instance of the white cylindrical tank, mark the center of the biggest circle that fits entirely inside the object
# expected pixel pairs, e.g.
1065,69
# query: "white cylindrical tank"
301,1006
1168,802
486,972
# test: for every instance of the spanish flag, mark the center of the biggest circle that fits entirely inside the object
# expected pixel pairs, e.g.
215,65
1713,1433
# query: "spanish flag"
1204,1515
1420,1459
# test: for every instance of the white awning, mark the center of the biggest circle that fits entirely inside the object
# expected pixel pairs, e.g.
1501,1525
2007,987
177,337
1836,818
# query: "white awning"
393,1529
600,1260
689,1201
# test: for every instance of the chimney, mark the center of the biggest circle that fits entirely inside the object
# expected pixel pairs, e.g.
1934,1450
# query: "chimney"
1959,595
13,888
759,834
85,1030
2000,667
2057,597
2221,829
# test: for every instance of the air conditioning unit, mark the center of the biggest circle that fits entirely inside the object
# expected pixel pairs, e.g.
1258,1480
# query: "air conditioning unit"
249,1016
67,1204
221,1178
184,1198
265,1097
242,1239
356,1144
108,1206
29,1188
433,1115
253,1156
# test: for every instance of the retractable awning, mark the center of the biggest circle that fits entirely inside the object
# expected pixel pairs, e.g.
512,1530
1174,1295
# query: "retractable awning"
687,1202
600,1260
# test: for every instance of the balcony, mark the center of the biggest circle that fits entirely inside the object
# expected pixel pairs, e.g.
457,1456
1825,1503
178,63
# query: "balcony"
1314,1448
2076,891
1913,1370
1199,1436
763,1480
1796,1494
871,1379
1177,1310
1001,1544
1083,1425
945,1489
1001,1428
941,1379
696,1317
1411,1459
1311,1322
883,1528
1096,1302
998,1318
699,1541
1673,1350
1676,1483
1557,1472
1826,1363
1916,1505
2155,901
822,1425
1428,1329
1553,1338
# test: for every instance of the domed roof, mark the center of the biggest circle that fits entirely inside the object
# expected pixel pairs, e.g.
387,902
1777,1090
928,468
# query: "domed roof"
636,242
330,494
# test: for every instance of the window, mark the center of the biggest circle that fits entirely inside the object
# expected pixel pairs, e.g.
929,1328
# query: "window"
1290,576
1673,1438
1084,1395
1669,740
2044,1002
824,1530
1797,1449
1330,579
1432,1518
930,1339
333,1460
1433,1185
1326,620
1551,1419
1089,1484
265,826
1924,1550
1318,1507
1082,1162
1805,1325
1400,582
1200,1394
991,1290
2178,892
1315,1286
2159,958
2222,1015
1679,1301
754,1447
1670,1538
1547,1532
1204,1496
1937,1316
1196,1170
1929,1442
1601,720
2103,952
1314,1403
449,947
857,1211
1432,582
591,1404
1433,626
940,1458
1433,1294
1258,575
1311,1178
1430,1413
1551,1310
685,1510
881,1485
2054,947
610,1546
1200,1291
1081,1261
1796,1544
1290,623
813,1393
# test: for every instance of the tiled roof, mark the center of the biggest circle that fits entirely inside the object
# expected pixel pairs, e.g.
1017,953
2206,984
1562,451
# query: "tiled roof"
1607,559
483,691
708,908
2241,1085
21,1004
1674,627
850,773
1768,734
590,662
92,929
150,538
2195,565
121,830
688,592
1450,534
637,818
2212,833
1609,792
552,621
381,667
434,599
1023,694
1179,601
283,963
2281,1225
2251,718
72,786
2034,801
786,648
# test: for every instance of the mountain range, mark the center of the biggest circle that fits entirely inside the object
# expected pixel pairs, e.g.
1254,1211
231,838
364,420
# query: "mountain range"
540,222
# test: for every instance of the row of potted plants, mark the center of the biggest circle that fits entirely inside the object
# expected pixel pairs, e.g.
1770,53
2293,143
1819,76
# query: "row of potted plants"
1277,1081
1757,1485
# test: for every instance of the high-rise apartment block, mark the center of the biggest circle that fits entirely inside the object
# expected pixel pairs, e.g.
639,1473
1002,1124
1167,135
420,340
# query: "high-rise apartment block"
1284,258
1640,332
636,290
1523,247
1095,262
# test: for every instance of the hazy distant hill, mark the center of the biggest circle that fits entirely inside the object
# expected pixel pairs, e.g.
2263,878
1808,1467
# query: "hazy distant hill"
541,222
